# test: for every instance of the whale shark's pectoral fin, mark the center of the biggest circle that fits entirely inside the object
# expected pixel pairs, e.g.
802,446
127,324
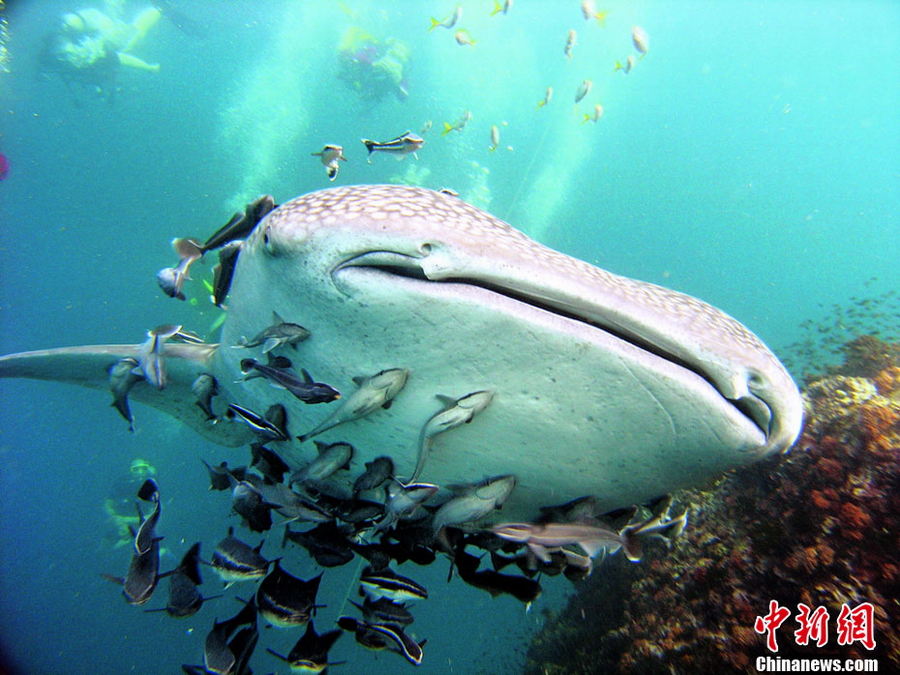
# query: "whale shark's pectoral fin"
89,366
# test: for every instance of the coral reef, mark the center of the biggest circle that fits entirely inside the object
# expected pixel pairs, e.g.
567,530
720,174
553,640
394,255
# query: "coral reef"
819,526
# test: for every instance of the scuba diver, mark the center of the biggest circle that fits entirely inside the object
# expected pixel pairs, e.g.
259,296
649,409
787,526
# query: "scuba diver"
91,46
120,505
371,67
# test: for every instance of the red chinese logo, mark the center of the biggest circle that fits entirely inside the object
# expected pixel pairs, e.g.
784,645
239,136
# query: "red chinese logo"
857,625
853,625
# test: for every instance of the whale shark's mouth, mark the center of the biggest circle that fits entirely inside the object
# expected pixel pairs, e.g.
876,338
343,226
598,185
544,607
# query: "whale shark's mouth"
399,265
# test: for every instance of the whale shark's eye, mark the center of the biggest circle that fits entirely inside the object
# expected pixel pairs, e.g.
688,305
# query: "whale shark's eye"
425,248
269,242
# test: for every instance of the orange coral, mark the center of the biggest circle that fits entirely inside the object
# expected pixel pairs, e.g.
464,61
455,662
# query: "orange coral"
888,381
830,469
854,520
878,421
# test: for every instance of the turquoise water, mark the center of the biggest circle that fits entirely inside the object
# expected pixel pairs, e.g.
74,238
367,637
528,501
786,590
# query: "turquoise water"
752,159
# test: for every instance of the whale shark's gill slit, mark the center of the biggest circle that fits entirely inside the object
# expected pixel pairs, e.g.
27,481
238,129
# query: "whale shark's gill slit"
415,272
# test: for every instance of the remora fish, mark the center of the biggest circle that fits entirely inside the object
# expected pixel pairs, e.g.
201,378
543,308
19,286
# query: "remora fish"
304,388
404,644
330,458
123,375
204,388
280,334
372,393
580,358
152,361
474,502
591,535
456,412
405,144
263,427
377,473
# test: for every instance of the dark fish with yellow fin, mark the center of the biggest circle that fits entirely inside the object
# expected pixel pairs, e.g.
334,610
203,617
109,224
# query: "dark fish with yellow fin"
204,388
310,653
229,645
502,9
143,571
286,601
388,584
185,598
233,560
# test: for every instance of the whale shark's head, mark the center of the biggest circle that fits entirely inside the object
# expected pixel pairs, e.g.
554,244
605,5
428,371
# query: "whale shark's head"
597,377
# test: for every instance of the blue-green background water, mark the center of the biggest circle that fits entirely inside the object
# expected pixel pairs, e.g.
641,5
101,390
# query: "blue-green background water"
752,159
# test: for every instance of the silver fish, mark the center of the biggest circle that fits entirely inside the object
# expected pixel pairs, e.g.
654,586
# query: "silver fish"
641,40
152,359
204,388
592,537
280,334
474,502
372,393
171,279
403,500
331,457
571,41
123,375
406,144
583,90
455,413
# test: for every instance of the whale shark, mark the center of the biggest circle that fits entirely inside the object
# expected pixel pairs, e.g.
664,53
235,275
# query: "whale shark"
602,385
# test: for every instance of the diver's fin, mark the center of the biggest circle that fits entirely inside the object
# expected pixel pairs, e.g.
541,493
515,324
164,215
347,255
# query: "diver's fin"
88,366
